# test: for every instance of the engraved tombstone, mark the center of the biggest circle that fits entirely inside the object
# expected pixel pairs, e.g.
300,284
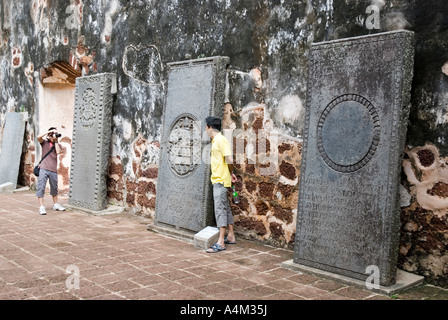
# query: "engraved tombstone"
12,142
196,89
356,120
91,141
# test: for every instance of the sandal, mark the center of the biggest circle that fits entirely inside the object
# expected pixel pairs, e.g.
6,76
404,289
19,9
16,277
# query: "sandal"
215,248
226,241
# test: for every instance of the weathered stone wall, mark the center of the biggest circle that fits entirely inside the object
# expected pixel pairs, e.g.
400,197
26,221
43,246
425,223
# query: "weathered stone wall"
268,172
268,43
424,230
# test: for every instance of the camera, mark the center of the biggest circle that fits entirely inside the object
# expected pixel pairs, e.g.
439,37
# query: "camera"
57,135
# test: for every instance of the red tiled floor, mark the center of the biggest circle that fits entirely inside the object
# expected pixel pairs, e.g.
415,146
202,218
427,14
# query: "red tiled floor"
118,258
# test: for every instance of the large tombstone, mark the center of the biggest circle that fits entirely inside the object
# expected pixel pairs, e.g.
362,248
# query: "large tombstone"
12,143
91,141
196,89
356,119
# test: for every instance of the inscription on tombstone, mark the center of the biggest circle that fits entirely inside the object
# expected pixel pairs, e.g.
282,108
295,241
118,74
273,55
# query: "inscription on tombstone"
196,89
91,141
12,142
356,120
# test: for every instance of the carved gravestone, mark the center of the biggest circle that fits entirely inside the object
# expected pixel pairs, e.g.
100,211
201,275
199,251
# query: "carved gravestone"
356,119
91,141
196,89
12,142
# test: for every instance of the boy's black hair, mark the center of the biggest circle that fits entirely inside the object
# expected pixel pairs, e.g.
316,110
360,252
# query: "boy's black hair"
213,122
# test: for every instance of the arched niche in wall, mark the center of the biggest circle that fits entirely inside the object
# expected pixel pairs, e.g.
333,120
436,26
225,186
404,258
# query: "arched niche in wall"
56,96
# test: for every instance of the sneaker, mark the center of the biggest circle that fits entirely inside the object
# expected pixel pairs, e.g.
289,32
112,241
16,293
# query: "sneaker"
58,207
42,210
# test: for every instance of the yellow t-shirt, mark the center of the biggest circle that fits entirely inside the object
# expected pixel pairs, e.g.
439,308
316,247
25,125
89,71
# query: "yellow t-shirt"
220,169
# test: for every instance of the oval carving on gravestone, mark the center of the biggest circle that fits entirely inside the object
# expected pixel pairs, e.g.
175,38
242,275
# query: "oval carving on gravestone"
88,108
184,145
348,133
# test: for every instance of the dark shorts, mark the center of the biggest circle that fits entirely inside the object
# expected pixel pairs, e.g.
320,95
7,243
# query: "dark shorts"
44,176
223,214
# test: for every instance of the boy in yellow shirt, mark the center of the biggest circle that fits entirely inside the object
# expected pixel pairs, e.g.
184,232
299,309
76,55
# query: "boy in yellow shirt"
222,176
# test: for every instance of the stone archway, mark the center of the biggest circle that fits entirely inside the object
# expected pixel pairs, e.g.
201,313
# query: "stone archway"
55,109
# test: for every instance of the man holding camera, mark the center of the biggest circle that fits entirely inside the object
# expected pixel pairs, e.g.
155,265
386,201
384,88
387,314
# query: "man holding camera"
49,169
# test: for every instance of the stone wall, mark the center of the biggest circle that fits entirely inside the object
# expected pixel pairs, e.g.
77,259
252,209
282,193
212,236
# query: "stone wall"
424,230
268,44
268,171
